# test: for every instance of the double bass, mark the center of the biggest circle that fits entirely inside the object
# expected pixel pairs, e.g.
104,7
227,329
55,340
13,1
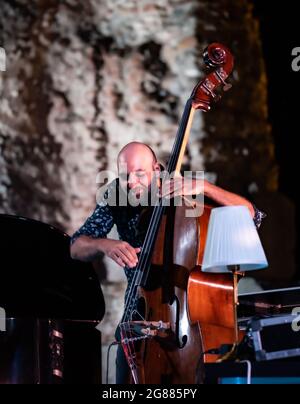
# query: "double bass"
171,317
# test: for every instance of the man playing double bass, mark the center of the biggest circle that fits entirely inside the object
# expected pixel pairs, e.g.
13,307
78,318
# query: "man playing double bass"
142,175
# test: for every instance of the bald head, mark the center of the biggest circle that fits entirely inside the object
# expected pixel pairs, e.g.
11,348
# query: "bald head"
136,165
136,148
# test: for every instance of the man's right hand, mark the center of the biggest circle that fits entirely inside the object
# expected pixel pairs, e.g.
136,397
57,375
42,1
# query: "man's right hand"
120,251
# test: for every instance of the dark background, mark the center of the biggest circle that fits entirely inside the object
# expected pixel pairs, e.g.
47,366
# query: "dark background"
279,26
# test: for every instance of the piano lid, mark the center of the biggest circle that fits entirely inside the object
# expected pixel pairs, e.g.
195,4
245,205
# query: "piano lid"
38,278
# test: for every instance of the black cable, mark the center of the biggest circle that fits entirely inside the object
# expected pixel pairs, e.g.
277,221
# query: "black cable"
222,350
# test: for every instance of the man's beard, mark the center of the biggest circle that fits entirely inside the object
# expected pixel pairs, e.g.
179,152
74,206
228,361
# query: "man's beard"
143,196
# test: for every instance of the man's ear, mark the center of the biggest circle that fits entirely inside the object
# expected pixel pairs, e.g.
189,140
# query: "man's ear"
158,168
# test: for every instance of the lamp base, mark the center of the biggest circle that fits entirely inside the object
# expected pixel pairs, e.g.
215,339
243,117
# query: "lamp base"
235,270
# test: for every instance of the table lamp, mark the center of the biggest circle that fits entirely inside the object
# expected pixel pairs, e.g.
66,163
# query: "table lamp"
233,246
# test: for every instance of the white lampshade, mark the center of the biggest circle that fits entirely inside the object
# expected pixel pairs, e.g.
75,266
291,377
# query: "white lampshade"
232,239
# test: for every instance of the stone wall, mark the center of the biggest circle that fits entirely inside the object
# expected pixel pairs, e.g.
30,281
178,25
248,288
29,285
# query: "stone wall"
84,78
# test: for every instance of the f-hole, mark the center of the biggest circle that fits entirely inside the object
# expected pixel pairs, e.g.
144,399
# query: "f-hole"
181,342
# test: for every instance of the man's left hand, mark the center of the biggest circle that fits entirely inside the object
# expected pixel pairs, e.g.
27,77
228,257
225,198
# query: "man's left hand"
181,186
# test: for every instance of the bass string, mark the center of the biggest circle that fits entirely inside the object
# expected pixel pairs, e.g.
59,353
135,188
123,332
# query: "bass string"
140,272
131,296
170,169
150,236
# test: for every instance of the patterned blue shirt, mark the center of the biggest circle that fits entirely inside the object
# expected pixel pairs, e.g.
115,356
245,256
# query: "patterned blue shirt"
104,217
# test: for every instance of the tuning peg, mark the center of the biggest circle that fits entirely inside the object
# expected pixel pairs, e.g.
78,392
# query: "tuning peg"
227,86
215,96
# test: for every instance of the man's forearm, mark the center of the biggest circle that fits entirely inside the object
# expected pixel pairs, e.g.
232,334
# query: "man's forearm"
86,248
226,198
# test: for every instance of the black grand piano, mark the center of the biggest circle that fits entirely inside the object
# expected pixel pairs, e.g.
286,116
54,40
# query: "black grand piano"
52,306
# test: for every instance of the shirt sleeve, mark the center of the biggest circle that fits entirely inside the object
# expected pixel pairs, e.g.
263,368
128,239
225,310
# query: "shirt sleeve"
258,216
100,223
